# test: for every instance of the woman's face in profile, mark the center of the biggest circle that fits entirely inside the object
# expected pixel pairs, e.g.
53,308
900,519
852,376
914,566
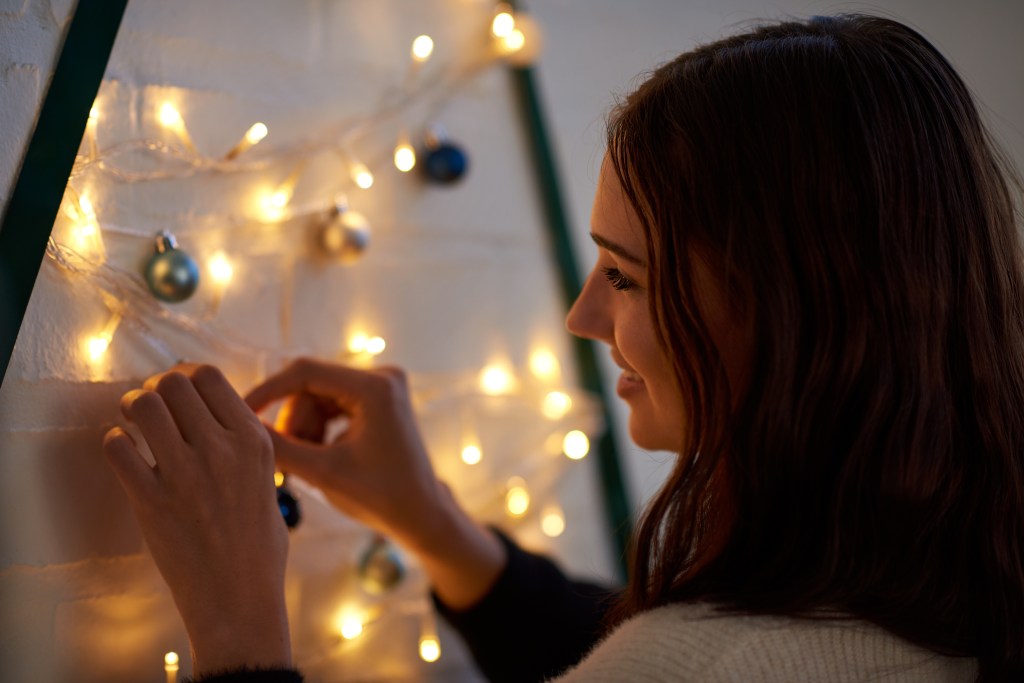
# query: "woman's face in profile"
612,308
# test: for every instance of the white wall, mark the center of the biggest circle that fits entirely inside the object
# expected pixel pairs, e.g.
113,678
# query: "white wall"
452,277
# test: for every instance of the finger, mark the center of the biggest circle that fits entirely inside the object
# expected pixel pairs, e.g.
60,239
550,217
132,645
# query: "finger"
149,412
311,462
305,416
348,386
136,476
190,412
221,399
184,368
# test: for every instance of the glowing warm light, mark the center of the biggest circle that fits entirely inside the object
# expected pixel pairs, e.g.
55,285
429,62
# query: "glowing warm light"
422,48
94,114
375,346
544,365
220,268
552,522
405,157
280,199
430,649
171,660
278,478
256,132
576,445
471,454
556,405
517,498
97,347
86,206
503,24
169,116
351,627
362,176
496,380
357,343
514,41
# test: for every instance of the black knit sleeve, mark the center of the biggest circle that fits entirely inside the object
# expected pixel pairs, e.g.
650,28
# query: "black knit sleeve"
251,676
534,623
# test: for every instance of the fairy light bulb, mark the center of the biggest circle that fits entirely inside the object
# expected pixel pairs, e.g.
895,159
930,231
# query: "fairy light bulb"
361,176
169,116
375,346
253,136
357,343
556,405
430,649
576,445
514,41
552,521
94,114
405,157
422,48
278,478
351,627
256,133
97,347
221,270
496,380
517,497
471,454
544,365
503,24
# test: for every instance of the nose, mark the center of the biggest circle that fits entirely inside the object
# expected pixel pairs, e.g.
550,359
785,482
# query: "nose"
589,316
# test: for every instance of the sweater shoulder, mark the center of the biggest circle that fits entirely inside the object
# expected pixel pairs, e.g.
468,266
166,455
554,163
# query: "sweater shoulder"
697,642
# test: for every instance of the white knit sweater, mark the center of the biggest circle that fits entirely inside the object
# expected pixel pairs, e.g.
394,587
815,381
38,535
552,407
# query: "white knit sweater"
681,643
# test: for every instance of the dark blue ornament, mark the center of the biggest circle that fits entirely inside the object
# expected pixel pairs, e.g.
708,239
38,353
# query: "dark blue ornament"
172,275
289,506
445,163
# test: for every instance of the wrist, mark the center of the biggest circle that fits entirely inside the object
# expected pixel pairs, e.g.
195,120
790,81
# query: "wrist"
251,638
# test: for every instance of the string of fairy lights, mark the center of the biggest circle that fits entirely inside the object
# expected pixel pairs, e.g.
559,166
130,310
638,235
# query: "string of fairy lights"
142,300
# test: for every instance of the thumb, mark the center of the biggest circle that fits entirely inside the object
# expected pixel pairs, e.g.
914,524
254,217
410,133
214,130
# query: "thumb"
309,461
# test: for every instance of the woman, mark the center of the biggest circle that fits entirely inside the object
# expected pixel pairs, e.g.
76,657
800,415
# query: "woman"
810,274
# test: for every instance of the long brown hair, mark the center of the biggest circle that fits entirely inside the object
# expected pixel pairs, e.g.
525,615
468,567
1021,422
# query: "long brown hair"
837,177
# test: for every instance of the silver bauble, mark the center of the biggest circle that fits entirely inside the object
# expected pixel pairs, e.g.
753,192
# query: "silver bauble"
381,567
171,274
346,235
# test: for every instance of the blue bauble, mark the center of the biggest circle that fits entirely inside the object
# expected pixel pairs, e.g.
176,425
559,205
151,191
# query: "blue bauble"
289,507
445,163
172,275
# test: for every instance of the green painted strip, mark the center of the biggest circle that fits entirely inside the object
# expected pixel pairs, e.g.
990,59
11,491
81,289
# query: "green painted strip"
617,508
37,193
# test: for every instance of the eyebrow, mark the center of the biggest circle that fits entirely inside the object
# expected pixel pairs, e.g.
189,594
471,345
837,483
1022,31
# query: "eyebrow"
616,249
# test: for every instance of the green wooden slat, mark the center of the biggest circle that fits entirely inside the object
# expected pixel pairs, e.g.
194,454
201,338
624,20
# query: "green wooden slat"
616,503
37,193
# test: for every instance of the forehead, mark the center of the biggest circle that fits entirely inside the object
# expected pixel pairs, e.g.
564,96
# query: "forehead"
612,216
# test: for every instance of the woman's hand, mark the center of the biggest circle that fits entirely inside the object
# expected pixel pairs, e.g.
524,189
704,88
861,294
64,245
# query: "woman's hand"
378,471
209,513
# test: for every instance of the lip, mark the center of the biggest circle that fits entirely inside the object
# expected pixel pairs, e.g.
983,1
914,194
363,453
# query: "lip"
629,383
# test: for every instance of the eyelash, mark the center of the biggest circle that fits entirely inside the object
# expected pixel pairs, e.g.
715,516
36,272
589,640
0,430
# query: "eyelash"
618,280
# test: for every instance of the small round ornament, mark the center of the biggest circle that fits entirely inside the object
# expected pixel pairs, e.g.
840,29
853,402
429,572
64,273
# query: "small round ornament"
289,506
171,274
345,235
381,567
443,161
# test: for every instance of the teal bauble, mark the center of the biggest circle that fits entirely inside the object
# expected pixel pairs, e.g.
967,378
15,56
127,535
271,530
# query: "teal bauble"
381,567
172,275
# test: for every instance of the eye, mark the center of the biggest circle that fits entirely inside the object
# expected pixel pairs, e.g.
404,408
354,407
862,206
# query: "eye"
617,279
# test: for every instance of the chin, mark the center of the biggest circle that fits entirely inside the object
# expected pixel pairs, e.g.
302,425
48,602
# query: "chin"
651,437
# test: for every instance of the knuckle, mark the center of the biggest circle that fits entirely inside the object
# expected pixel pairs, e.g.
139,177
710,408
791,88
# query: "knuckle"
141,401
171,382
208,375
